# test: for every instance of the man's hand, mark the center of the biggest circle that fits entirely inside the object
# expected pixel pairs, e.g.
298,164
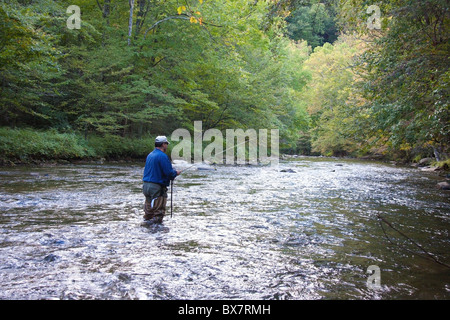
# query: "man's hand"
178,172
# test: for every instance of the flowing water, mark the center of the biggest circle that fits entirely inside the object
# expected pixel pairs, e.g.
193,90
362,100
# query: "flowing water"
237,232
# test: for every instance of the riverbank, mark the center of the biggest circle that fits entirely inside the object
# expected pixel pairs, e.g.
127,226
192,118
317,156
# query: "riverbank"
33,147
426,164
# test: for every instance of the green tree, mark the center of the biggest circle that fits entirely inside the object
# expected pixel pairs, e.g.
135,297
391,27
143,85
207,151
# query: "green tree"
406,74
150,67
334,108
314,23
28,63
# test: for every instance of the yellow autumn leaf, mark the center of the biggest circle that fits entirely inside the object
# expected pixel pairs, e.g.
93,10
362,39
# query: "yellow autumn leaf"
193,20
198,12
201,1
181,9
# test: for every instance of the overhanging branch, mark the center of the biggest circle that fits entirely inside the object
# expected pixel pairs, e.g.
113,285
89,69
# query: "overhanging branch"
184,17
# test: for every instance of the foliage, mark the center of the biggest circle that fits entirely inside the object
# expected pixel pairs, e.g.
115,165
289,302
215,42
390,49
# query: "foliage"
163,68
27,144
141,68
314,23
406,75
390,95
410,92
333,107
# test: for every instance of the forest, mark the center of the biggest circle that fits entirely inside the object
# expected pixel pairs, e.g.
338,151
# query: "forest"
87,79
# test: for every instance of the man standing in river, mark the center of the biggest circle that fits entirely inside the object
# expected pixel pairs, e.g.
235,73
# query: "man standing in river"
158,173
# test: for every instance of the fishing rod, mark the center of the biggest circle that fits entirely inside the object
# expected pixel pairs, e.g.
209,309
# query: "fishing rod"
171,198
188,168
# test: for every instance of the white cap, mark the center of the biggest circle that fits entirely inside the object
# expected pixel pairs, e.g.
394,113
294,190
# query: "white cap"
162,139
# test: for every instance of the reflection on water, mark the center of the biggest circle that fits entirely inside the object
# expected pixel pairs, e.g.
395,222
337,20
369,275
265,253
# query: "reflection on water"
73,232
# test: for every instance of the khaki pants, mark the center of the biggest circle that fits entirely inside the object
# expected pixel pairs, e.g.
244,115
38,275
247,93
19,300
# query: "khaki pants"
155,202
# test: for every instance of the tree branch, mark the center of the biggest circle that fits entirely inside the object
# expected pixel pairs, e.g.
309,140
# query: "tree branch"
429,255
145,13
154,65
99,6
184,17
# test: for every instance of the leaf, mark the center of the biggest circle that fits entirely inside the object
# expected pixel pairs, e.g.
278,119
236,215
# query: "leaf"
181,9
193,20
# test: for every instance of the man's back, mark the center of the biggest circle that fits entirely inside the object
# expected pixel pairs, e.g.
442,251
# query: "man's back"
158,168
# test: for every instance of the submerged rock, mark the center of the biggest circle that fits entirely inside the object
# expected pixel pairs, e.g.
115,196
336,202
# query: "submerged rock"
430,169
288,170
124,277
444,185
206,168
51,257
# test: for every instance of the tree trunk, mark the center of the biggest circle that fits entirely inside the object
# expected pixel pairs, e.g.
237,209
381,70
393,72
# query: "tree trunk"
143,9
106,9
130,22
437,153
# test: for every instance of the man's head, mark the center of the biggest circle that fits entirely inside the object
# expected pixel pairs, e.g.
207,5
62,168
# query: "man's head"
161,143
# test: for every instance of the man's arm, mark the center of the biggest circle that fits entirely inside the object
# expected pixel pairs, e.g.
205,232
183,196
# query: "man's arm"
168,169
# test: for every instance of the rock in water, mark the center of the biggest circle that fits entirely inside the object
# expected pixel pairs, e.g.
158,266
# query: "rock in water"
425,162
206,168
443,185
51,257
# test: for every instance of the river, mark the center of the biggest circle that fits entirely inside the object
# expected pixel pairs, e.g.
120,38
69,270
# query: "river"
237,232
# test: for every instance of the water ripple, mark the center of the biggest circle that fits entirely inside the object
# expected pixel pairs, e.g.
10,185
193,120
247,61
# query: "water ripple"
238,232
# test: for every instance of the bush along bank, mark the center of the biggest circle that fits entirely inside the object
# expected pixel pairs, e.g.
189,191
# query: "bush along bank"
30,146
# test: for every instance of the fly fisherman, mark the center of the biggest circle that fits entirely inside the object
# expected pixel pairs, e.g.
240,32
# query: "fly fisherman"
158,173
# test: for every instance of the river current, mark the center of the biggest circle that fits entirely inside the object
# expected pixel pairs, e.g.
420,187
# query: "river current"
237,232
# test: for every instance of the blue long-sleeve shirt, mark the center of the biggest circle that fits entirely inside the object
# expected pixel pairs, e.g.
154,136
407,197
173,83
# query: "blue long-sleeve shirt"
158,168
